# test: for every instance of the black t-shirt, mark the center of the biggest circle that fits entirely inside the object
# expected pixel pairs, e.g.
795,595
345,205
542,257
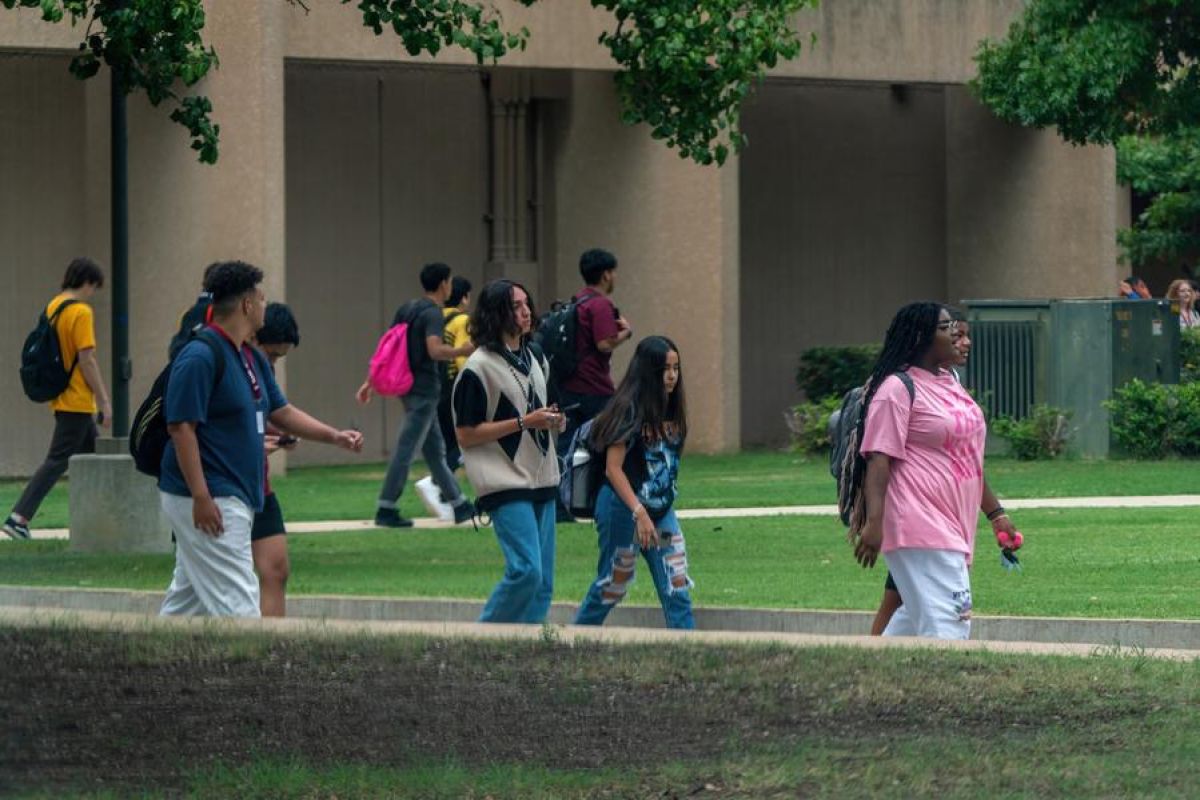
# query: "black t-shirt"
424,319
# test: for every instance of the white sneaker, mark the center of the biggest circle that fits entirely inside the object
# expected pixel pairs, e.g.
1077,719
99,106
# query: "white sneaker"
431,496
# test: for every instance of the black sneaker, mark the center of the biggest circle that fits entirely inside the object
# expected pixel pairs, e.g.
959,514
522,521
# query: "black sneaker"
17,530
469,512
464,512
390,518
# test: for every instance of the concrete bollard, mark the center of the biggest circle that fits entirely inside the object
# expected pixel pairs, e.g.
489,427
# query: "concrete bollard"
113,507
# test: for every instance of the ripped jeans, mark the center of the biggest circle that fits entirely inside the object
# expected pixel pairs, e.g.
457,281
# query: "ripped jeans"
618,564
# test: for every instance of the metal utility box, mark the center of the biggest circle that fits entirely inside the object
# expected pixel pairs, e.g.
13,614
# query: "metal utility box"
1071,354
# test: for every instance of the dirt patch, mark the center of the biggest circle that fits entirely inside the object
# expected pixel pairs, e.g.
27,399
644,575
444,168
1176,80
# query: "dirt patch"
107,709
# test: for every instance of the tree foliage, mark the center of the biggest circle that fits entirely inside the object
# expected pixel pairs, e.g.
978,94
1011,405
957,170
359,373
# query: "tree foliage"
1166,168
684,65
1123,72
1096,69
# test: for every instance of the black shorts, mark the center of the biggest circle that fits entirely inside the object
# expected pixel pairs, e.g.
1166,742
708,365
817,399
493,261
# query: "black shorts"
890,585
269,521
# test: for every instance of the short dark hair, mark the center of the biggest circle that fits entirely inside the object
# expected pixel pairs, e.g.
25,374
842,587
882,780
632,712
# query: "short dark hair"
82,272
460,287
433,274
209,271
594,263
279,326
228,281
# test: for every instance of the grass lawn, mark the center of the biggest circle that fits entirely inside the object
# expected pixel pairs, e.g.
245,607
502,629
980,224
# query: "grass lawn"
407,717
755,479
1091,563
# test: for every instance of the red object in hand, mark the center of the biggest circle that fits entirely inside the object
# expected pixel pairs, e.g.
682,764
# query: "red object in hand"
1007,542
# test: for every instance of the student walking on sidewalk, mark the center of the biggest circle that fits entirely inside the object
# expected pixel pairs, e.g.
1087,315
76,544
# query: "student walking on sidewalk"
420,431
641,434
75,410
506,431
920,482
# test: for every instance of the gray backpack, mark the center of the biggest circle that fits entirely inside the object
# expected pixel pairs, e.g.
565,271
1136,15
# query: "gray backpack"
846,464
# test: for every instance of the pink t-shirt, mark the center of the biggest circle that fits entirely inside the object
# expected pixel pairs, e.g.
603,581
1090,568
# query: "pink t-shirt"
936,442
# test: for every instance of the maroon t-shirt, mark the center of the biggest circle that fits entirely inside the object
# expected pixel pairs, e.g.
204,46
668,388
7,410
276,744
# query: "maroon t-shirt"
597,322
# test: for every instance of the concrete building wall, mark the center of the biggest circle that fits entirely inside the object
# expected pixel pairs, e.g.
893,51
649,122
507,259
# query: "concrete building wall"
43,121
843,220
387,171
674,229
1028,214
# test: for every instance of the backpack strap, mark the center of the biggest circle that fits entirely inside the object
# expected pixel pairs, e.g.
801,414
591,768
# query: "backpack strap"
907,380
52,320
214,344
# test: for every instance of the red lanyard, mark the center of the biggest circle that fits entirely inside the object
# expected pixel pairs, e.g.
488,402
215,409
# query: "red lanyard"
245,358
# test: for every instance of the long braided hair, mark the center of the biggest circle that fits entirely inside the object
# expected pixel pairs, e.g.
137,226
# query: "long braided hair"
908,339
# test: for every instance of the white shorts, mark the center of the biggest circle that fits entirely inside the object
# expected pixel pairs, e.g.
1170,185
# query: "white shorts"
214,577
935,586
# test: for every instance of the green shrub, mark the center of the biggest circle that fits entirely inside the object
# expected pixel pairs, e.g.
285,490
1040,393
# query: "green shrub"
1140,418
1041,435
832,371
1189,355
1183,431
809,424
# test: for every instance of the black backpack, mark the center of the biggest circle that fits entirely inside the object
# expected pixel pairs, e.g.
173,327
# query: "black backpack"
43,374
191,323
845,462
556,334
148,434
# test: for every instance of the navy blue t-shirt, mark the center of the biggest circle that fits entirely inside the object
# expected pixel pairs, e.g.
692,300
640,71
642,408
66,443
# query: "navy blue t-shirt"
231,441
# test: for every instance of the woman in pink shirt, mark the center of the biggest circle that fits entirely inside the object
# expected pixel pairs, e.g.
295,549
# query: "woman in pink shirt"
923,482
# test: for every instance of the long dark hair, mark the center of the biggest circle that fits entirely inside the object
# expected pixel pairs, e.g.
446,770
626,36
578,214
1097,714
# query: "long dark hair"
641,404
493,317
908,339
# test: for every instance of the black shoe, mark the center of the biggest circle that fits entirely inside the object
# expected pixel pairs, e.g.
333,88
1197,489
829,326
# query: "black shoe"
464,512
17,530
390,518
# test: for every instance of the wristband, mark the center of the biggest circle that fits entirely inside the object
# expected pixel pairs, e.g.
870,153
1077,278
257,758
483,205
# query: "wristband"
520,423
636,509
996,513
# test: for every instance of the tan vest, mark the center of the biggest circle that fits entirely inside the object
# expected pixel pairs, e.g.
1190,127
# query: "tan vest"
489,467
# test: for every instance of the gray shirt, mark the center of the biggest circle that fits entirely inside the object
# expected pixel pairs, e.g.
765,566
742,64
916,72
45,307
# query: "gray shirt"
424,319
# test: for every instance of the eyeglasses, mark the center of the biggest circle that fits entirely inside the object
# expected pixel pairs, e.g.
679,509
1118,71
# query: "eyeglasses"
948,325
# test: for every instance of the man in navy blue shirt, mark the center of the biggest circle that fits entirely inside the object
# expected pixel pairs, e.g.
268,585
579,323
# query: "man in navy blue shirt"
213,468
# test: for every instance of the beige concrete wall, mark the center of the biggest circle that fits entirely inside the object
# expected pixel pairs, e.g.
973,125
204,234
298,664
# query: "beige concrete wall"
673,227
387,171
42,210
842,221
1028,215
927,41
876,40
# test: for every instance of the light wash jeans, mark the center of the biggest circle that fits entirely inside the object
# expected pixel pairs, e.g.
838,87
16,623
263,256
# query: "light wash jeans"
618,563
525,531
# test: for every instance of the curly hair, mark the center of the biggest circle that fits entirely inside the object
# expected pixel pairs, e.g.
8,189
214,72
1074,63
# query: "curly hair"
493,317
228,281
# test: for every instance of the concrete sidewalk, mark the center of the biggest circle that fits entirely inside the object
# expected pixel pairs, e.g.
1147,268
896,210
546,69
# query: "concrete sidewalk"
1144,501
1105,634
568,635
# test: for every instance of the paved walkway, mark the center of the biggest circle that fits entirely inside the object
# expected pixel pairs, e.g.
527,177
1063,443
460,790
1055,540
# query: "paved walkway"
1152,501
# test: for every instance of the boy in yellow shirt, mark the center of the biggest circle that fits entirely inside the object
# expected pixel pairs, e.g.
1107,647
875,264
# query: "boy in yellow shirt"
75,410
454,334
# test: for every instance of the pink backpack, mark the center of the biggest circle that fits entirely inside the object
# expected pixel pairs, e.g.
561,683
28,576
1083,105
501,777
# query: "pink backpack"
390,373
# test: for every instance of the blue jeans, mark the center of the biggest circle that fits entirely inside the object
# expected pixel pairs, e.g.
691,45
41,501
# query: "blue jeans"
525,531
618,562
419,431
